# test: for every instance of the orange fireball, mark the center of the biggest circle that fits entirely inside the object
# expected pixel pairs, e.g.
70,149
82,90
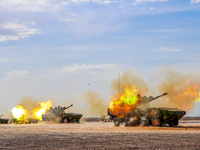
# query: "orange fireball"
44,106
128,98
20,112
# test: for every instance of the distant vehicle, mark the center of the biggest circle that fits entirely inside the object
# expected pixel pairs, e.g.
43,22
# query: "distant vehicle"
58,115
146,116
2,120
105,118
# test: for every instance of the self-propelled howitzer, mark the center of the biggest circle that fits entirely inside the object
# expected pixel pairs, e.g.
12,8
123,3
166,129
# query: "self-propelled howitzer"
144,115
2,120
58,115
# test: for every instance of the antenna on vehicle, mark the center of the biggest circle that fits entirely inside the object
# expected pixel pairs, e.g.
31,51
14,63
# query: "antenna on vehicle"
118,83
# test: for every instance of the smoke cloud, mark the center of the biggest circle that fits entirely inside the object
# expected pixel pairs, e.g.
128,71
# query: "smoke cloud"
183,90
29,103
131,78
95,105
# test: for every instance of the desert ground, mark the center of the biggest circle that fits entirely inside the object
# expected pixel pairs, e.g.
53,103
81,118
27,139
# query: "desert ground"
97,135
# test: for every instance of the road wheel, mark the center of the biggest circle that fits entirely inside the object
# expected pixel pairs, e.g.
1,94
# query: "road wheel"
174,123
156,122
127,122
116,122
65,120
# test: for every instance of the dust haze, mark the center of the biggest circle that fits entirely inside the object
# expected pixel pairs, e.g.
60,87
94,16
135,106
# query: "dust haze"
95,105
88,103
131,78
183,91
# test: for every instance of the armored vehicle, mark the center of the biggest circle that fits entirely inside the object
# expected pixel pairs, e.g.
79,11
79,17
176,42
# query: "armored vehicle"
2,120
58,115
144,115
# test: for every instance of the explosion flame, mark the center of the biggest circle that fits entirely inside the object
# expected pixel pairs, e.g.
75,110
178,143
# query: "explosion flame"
128,98
192,91
181,96
43,107
19,112
197,99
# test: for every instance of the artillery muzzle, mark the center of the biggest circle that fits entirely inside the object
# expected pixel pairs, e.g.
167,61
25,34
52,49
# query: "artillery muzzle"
164,93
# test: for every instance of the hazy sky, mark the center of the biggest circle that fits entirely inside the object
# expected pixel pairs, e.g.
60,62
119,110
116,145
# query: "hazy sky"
55,48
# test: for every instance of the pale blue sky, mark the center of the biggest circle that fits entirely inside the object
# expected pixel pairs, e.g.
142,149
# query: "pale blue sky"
56,47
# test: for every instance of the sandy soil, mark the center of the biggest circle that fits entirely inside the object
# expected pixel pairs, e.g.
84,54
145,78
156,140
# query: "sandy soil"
97,136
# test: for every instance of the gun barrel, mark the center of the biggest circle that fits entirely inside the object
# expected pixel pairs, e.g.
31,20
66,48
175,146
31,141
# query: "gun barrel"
151,99
67,107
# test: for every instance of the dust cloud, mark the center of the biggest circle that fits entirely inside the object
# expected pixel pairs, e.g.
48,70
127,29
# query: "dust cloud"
29,103
131,78
183,90
94,104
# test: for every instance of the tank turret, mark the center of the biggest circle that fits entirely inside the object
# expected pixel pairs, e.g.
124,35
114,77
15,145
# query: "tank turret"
143,102
151,98
58,110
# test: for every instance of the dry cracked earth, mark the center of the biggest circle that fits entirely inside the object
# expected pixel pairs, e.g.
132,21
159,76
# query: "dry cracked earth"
96,135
